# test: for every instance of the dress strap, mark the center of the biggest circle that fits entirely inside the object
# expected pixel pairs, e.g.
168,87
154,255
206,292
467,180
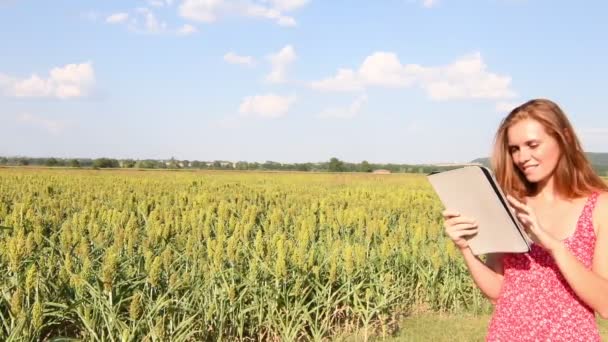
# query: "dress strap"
587,214
592,201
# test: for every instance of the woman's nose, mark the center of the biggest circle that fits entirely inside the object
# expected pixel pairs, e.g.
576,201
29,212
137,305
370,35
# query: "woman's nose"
524,155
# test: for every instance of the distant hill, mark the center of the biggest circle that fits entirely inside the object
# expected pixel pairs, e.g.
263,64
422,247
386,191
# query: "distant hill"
596,158
599,161
483,161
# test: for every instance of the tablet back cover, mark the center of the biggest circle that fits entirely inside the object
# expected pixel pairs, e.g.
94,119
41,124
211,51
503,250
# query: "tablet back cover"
473,192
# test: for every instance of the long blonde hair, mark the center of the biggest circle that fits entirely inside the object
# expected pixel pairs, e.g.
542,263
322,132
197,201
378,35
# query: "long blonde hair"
574,176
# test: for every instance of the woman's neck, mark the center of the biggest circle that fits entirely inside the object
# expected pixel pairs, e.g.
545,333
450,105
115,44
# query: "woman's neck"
546,191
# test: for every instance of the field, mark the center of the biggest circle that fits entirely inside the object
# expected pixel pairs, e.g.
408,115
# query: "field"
184,256
450,328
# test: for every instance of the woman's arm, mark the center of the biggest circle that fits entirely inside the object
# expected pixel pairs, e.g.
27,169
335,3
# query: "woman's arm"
487,276
590,285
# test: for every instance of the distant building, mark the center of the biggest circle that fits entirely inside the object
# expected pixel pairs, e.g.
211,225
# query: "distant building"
381,172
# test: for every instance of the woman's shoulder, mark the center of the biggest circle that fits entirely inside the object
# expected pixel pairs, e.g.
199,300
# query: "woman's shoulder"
602,199
600,212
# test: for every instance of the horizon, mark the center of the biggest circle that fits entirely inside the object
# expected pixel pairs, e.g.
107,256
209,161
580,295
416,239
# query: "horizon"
291,81
472,161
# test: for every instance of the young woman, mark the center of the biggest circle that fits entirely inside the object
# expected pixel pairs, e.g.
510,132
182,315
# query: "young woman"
553,292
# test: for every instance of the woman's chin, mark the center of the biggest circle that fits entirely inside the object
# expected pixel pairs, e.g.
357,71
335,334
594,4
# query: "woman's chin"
535,178
531,177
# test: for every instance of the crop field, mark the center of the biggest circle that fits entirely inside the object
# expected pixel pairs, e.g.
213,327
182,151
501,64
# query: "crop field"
189,256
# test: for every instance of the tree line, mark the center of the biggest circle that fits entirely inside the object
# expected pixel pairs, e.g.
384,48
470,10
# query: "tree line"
333,165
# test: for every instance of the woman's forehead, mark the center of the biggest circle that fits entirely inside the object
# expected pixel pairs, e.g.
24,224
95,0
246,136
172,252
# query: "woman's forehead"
526,130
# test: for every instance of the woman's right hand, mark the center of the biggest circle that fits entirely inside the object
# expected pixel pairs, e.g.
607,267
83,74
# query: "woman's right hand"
458,227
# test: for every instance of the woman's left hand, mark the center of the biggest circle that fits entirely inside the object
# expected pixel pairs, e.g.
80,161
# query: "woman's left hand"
528,219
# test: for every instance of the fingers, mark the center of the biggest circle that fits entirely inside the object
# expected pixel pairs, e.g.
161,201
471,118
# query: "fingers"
514,202
447,214
519,206
459,220
458,227
527,221
461,227
523,218
460,231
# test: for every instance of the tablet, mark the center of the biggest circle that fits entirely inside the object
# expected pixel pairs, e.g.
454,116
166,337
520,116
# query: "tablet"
473,191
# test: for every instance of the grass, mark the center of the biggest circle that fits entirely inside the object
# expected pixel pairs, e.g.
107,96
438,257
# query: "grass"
454,328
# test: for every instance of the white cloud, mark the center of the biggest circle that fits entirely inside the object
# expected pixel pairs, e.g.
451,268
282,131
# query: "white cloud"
233,58
201,10
288,5
280,62
468,78
211,10
385,69
345,113
430,3
69,81
151,23
186,29
160,3
286,21
156,3
378,69
505,107
52,126
266,106
258,11
117,18
144,20
465,78
345,80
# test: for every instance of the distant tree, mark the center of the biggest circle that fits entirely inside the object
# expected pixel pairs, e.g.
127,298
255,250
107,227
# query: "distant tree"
217,164
196,164
303,167
146,164
365,166
242,165
336,165
23,161
173,163
271,165
105,163
73,163
128,163
51,162
185,163
3,161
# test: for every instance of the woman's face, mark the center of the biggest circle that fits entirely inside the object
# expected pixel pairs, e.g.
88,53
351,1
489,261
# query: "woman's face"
534,152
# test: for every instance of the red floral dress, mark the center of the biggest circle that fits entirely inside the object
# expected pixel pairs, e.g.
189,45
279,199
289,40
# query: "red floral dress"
536,303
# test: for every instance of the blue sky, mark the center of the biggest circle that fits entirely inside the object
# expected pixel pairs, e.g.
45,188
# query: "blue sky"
401,81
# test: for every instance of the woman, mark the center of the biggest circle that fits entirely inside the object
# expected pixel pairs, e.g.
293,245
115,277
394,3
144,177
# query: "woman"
552,292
